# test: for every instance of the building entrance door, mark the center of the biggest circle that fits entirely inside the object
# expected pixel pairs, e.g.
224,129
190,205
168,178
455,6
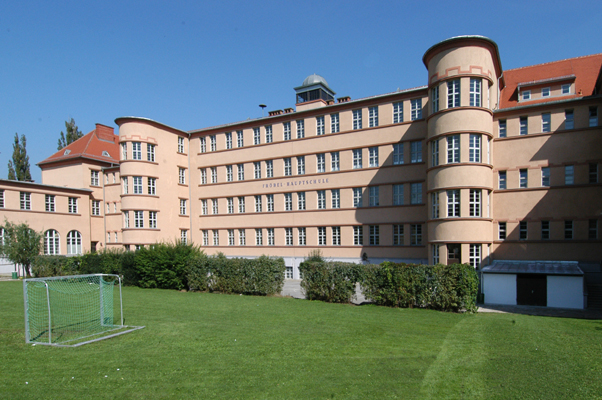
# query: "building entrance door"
531,290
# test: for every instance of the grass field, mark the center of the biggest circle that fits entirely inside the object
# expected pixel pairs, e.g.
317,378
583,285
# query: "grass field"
199,346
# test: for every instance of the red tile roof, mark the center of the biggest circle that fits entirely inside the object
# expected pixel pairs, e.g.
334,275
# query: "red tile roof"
585,70
95,146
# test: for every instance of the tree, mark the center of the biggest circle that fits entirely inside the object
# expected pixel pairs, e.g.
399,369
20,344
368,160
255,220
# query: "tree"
21,245
18,167
73,133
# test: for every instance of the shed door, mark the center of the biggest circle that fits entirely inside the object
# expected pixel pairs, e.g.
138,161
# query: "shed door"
531,290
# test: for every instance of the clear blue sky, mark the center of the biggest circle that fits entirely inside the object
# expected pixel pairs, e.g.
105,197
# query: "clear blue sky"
196,64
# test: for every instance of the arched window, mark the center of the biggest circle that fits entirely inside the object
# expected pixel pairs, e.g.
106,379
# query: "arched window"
74,242
52,242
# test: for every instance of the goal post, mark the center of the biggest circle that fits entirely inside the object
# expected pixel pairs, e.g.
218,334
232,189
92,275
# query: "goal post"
73,310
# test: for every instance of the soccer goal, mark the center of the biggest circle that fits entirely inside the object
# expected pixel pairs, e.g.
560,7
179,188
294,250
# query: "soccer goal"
73,310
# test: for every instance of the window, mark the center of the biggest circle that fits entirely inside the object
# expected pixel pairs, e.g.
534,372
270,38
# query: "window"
475,92
545,176
453,203
435,205
287,130
592,231
230,201
126,219
50,207
320,125
25,200
287,167
374,235
435,254
453,93
335,195
73,205
334,161
501,226
269,169
203,145
288,236
435,98
502,179
357,119
242,237
215,237
301,165
108,207
240,139
545,230
258,237
545,92
373,116
230,237
300,200
416,109
258,204
205,237
257,168
94,178
416,193
397,112
336,235
124,182
545,122
357,158
374,194
240,171
373,156
397,153
357,197
569,174
321,199
152,219
523,178
214,206
502,128
1,198
137,184
522,230
435,152
150,152
474,148
288,202
114,207
398,194
475,202
397,235
270,236
228,140
566,88
524,126
415,234
203,176
204,207
334,123
568,229
138,219
300,129
256,136
569,119
593,173
270,201
183,207
124,151
526,95
302,240
358,236
321,162
180,144
52,242
269,138
182,176
229,174
416,152
474,255
136,151
453,149
95,207
213,142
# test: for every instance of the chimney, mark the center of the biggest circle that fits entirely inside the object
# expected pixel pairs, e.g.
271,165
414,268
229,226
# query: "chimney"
343,99
275,112
105,132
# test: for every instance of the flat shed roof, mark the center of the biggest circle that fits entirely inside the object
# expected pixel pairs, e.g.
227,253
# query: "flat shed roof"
534,267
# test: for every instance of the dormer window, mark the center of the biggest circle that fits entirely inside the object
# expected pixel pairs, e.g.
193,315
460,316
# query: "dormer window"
566,89
545,92
66,153
105,154
526,95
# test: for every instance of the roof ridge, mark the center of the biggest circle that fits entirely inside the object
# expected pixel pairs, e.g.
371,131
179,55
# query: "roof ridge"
85,151
553,62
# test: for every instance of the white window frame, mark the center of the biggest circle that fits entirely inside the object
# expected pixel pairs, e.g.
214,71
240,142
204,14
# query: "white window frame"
336,235
320,130
269,137
475,202
398,235
334,123
321,236
256,136
545,176
475,92
398,154
374,235
214,207
241,204
398,112
203,144
242,237
335,195
240,169
453,149
373,116
288,166
416,109
435,99
373,156
300,200
453,203
152,220
257,169
357,158
181,176
240,139
321,199
269,169
183,208
357,197
358,235
300,128
546,122
474,147
136,151
72,205
138,219
137,184
320,162
94,178
416,193
270,202
416,151
229,173
286,126
374,196
435,153
258,204
300,165
357,119
180,144
228,140
335,163
288,202
453,93
302,236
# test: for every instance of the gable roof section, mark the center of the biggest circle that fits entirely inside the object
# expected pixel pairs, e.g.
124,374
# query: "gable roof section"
583,70
93,146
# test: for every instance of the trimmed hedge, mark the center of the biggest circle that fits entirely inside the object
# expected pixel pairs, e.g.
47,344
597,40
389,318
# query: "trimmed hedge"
333,282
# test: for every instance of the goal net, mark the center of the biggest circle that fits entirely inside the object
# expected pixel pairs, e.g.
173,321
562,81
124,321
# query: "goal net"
73,310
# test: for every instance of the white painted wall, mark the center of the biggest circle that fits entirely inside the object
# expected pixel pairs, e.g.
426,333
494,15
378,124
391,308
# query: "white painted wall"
6,267
499,288
565,291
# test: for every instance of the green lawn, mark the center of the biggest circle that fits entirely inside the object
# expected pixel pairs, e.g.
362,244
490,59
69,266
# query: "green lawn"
198,346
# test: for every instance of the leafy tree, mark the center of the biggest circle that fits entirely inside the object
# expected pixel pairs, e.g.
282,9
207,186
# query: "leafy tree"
73,133
18,167
21,245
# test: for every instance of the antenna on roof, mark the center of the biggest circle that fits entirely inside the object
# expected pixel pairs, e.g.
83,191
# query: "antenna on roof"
263,106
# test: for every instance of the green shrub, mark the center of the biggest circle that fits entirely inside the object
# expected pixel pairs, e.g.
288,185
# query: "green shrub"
164,266
198,272
332,282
